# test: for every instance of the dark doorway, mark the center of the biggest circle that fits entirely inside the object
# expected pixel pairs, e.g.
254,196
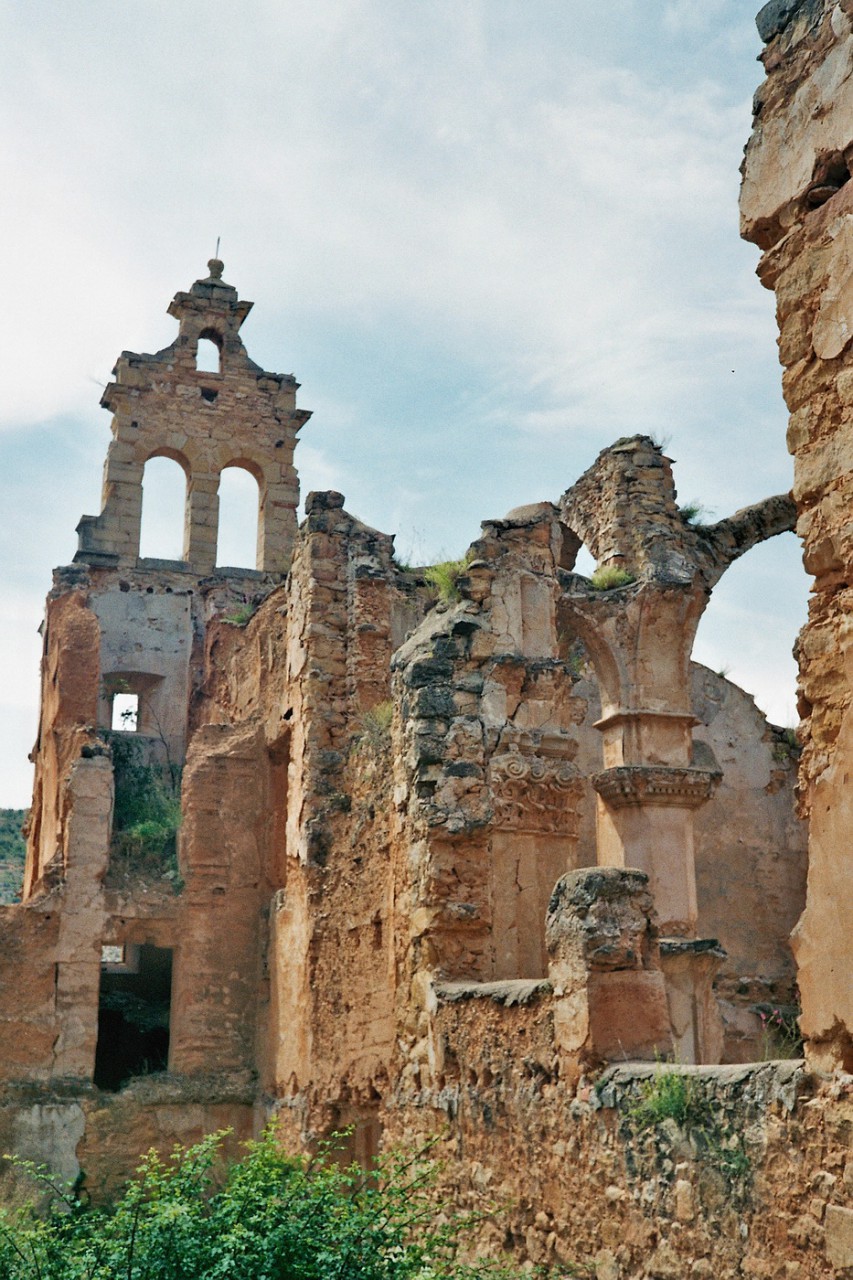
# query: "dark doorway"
133,1013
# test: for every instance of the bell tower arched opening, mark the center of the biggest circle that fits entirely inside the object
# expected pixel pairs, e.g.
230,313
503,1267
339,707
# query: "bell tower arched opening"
239,512
164,497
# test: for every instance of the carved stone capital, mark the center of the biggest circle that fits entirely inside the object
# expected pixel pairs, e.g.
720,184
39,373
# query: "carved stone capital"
641,784
532,793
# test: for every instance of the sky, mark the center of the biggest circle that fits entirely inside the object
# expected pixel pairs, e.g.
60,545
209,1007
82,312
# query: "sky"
487,236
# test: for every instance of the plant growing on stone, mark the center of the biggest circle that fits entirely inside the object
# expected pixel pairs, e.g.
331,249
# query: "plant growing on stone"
374,726
147,807
241,616
608,577
667,1095
694,512
673,1097
780,1033
443,578
269,1216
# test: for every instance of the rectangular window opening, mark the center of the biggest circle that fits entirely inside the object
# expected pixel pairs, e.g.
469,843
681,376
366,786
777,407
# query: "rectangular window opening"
133,1014
125,712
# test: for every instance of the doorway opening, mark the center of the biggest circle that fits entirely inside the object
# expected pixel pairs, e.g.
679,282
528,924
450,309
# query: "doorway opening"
133,1013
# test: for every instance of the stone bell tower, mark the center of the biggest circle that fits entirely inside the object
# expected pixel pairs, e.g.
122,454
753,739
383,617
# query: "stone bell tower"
165,405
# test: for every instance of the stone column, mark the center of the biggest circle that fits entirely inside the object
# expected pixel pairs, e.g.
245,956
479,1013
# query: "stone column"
637,618
645,820
202,522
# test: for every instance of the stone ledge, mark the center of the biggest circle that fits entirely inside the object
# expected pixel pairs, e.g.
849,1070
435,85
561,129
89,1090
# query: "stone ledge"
764,1083
512,991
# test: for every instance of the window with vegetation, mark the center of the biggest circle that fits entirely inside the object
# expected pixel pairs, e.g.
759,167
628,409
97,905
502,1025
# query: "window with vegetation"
146,811
125,717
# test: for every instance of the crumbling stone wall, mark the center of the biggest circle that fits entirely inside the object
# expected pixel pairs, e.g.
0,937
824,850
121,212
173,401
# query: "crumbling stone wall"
797,206
403,887
756,1181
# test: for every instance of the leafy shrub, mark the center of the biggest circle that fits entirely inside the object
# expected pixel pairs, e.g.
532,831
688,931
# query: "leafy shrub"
608,577
667,1095
13,852
269,1217
147,807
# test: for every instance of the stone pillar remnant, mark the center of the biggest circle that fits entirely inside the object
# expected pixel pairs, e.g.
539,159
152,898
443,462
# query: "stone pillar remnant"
604,966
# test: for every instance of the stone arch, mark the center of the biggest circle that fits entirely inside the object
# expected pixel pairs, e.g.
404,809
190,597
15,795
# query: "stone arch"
163,512
233,532
576,622
209,350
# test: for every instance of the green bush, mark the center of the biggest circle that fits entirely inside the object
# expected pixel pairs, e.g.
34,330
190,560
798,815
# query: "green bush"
608,577
147,807
13,853
269,1217
443,578
667,1095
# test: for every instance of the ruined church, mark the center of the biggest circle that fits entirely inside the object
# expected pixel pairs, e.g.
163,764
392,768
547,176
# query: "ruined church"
318,841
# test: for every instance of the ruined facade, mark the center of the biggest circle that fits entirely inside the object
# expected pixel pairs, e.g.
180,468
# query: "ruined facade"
457,866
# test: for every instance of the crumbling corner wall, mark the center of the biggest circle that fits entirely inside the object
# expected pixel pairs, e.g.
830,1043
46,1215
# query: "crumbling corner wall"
797,206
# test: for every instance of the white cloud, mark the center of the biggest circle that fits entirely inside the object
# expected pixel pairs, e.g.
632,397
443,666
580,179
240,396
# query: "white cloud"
487,238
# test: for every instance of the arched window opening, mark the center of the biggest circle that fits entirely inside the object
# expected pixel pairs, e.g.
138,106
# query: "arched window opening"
585,563
208,355
237,541
747,631
574,556
164,496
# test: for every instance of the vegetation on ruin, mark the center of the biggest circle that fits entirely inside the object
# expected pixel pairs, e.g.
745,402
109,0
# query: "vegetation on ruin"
147,810
694,512
269,1216
786,746
373,727
241,616
13,850
443,578
608,577
672,1106
667,1095
780,1032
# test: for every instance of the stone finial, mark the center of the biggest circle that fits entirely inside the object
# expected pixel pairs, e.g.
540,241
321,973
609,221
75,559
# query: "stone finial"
216,266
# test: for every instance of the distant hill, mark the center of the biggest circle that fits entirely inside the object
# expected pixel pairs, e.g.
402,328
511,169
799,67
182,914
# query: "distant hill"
12,852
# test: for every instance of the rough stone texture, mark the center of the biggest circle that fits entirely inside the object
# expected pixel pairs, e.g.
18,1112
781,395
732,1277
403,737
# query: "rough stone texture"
427,852
797,205
757,1183
604,968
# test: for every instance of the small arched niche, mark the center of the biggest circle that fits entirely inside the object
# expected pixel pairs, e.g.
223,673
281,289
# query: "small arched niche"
208,358
164,500
239,513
